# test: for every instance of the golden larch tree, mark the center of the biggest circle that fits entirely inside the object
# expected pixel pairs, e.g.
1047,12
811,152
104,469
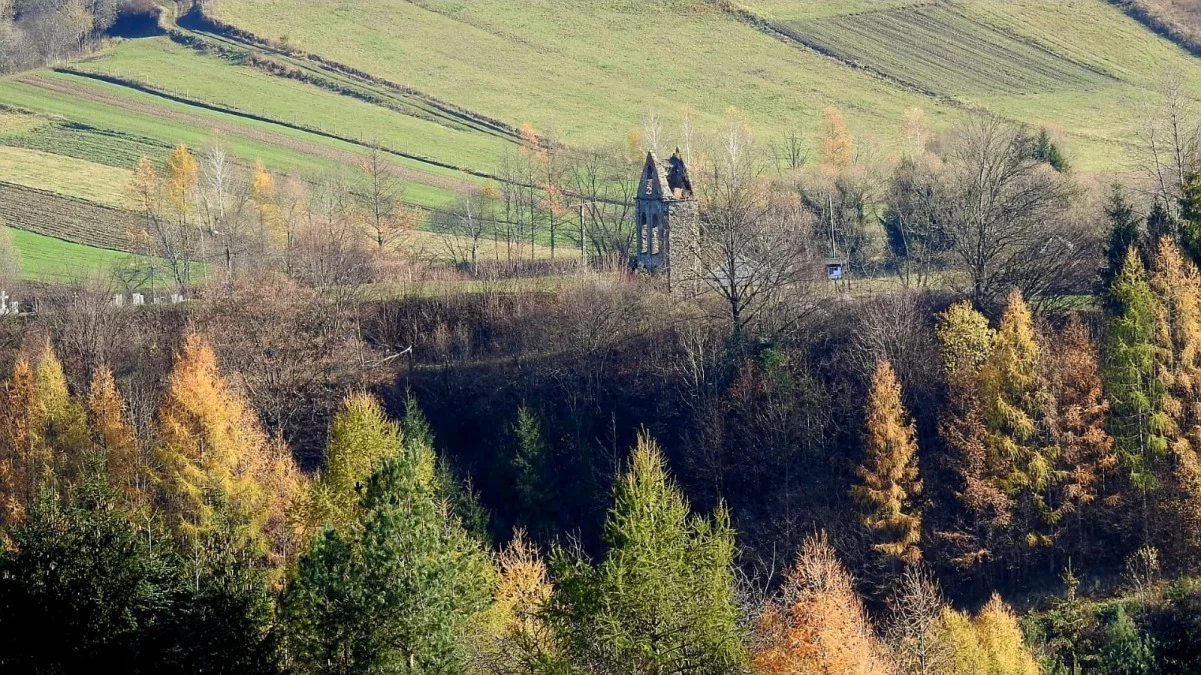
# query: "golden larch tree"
361,437
821,627
65,429
1001,640
513,638
837,144
1022,462
967,343
115,436
24,459
1176,283
1078,416
219,472
890,480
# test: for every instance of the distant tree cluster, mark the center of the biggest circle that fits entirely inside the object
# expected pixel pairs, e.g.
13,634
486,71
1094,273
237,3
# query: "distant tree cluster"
38,32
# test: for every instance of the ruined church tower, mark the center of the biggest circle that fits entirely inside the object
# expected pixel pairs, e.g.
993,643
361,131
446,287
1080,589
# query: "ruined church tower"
666,216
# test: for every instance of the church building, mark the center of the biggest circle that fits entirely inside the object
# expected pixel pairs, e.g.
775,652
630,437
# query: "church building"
666,217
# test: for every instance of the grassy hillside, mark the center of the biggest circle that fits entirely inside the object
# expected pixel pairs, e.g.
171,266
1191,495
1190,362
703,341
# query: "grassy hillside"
589,69
443,85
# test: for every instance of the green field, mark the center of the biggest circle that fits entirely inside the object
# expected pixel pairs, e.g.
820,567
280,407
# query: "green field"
49,259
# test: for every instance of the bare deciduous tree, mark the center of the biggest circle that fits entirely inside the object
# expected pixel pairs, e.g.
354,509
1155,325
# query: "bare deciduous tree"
1003,211
464,226
1170,139
605,183
753,249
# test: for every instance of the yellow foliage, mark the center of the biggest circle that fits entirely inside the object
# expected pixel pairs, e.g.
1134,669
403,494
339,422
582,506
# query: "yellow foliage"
823,628
24,458
1001,641
183,173
219,471
838,146
515,639
890,475
113,435
966,338
65,430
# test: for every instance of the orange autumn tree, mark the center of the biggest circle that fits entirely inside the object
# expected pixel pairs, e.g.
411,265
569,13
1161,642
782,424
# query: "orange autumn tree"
114,436
24,459
837,144
889,477
220,475
821,626
515,638
1078,417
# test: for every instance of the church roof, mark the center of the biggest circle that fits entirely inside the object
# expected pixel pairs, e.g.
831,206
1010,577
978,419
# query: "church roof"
664,180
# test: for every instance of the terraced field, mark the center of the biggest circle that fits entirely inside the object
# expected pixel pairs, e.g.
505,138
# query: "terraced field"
55,215
940,50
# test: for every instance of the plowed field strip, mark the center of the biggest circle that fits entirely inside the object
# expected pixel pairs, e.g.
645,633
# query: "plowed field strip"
92,94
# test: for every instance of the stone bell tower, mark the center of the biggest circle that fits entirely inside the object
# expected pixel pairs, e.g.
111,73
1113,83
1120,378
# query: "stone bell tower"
666,217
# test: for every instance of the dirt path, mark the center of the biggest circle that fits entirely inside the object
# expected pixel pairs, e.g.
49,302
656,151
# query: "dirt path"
83,91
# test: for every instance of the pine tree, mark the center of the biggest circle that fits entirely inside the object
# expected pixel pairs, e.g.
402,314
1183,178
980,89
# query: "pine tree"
823,628
396,592
219,473
115,437
663,599
1125,233
361,437
890,475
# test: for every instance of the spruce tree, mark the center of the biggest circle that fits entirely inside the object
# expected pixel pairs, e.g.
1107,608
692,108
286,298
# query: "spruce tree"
1137,422
1160,224
890,481
1190,218
393,593
531,464
1125,233
662,601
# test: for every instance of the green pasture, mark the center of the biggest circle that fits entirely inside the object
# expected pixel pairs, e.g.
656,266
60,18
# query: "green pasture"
54,260
184,72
